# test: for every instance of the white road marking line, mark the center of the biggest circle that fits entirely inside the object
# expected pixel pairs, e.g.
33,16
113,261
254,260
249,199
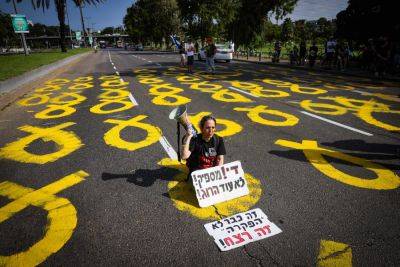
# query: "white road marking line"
121,80
112,63
150,61
133,99
168,148
243,92
117,73
109,56
293,102
114,68
336,123
361,92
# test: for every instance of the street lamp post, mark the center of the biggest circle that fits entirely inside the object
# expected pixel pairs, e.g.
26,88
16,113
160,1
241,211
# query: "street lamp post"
22,34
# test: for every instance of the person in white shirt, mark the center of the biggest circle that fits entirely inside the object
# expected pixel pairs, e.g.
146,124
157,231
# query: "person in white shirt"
190,55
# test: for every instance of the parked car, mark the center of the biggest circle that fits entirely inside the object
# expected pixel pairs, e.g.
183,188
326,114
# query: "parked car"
224,52
102,44
139,47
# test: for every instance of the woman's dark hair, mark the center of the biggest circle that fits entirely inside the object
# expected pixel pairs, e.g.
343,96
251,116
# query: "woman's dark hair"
206,118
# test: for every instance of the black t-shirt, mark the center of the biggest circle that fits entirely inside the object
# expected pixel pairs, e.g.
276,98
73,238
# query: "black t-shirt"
204,154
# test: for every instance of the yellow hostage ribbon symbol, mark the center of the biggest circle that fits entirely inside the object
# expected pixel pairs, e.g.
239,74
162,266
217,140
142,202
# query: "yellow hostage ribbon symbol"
61,217
67,143
385,180
254,115
113,138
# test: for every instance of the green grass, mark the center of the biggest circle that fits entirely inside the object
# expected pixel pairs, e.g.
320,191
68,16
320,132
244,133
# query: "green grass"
14,65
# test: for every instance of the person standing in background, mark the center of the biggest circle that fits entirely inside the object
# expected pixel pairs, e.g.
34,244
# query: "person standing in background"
182,53
210,54
190,56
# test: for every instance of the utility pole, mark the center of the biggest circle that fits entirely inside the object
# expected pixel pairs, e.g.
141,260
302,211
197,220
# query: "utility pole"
69,26
22,34
83,23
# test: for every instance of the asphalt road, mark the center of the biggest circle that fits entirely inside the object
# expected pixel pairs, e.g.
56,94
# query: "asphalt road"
335,198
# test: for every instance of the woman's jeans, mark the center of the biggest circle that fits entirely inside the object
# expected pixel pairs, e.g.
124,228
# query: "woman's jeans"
210,63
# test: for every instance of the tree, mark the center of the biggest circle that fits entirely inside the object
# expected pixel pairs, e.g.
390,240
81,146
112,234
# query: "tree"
6,30
60,8
200,19
143,24
365,19
107,30
252,14
287,30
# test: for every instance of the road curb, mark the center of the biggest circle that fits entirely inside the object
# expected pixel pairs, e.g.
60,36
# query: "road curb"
320,70
18,81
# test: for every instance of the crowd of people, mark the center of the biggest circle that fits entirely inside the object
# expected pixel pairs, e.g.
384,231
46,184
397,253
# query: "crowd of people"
379,56
188,50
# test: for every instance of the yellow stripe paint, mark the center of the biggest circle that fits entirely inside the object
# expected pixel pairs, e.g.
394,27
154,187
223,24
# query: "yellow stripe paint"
61,222
332,254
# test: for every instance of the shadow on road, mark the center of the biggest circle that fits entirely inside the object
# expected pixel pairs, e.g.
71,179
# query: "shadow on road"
142,177
356,148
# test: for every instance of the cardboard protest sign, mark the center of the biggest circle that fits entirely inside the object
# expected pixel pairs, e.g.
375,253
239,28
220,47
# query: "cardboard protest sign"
241,229
219,184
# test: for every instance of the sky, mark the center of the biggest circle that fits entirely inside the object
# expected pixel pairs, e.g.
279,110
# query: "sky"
112,12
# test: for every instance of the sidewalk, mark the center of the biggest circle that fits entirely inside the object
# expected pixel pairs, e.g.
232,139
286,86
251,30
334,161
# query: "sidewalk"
284,63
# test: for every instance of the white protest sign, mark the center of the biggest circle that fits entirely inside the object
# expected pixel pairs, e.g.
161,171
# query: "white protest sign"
241,229
219,184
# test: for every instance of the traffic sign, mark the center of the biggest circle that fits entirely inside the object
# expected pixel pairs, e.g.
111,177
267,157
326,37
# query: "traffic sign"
20,24
78,35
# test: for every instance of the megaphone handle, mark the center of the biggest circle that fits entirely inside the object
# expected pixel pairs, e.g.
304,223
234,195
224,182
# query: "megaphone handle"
178,133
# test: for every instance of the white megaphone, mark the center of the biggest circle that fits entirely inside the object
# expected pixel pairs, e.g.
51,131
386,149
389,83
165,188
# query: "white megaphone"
180,115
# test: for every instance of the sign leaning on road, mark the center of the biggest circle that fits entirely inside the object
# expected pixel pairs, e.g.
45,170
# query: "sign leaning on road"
219,184
241,229
20,24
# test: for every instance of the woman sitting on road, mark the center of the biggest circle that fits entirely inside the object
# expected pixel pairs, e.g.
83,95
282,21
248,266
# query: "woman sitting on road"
206,149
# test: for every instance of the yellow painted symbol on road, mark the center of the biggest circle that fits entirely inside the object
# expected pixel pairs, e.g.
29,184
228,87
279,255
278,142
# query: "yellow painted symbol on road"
164,89
68,98
114,83
277,83
184,198
117,105
323,108
365,113
229,127
167,95
385,178
61,217
187,79
332,254
48,88
386,97
109,77
307,90
83,79
206,87
55,111
244,85
355,104
225,95
81,86
67,142
152,80
114,94
58,81
268,93
113,136
34,100
254,115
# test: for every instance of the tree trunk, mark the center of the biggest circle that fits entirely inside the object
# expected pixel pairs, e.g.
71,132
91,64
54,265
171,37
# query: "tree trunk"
60,6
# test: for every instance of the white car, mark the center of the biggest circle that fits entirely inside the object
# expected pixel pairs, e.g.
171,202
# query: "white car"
223,53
